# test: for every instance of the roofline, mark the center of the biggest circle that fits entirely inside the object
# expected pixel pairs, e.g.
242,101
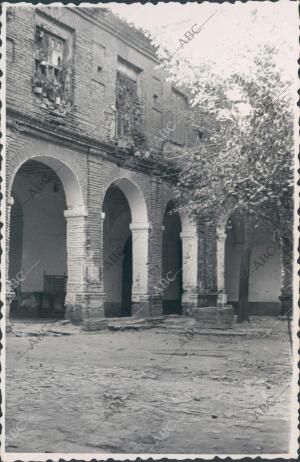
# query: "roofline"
120,33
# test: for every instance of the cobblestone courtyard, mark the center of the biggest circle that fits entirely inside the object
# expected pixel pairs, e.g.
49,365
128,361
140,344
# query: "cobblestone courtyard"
157,390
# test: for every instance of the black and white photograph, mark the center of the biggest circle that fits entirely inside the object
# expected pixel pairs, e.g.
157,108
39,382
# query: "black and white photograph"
149,278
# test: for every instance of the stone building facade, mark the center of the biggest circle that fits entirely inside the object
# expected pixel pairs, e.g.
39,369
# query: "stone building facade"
88,226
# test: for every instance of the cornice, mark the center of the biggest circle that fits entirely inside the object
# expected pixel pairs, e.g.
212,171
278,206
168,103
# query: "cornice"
108,151
34,127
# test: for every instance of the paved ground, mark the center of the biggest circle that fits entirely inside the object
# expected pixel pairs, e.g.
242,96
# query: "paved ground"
169,389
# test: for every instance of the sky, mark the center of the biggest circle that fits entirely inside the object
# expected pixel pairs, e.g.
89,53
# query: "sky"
230,34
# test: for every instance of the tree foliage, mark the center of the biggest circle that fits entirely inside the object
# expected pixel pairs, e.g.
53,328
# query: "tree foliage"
244,159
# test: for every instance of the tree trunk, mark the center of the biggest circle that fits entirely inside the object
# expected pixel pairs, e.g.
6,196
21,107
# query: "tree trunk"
244,274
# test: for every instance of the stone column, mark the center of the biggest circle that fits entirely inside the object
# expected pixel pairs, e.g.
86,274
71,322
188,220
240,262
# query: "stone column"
76,261
9,292
94,261
94,269
82,300
140,265
189,239
221,238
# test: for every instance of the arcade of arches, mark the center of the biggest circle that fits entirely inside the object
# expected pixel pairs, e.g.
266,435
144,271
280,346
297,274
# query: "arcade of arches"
265,271
54,270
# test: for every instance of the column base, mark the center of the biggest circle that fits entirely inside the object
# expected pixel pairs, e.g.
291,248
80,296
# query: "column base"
208,299
212,317
189,303
150,307
222,300
86,307
192,300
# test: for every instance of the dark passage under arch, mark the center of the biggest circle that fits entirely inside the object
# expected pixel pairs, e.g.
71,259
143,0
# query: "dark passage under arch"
38,254
172,261
127,278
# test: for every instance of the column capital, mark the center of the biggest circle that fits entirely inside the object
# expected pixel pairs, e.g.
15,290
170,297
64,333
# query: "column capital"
221,234
188,235
140,226
78,211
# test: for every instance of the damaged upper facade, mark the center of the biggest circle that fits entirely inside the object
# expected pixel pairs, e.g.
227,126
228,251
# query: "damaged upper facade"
51,82
95,70
89,229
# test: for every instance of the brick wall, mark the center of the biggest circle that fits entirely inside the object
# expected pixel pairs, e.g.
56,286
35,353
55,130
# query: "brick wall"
79,139
98,41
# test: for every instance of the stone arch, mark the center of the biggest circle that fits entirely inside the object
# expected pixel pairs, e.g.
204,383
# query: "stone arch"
67,176
72,230
135,198
262,253
139,230
167,197
190,254
188,224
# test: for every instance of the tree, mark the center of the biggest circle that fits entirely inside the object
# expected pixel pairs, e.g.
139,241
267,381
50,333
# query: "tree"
245,159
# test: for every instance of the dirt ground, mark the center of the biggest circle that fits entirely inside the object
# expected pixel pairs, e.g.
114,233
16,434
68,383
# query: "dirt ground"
174,388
